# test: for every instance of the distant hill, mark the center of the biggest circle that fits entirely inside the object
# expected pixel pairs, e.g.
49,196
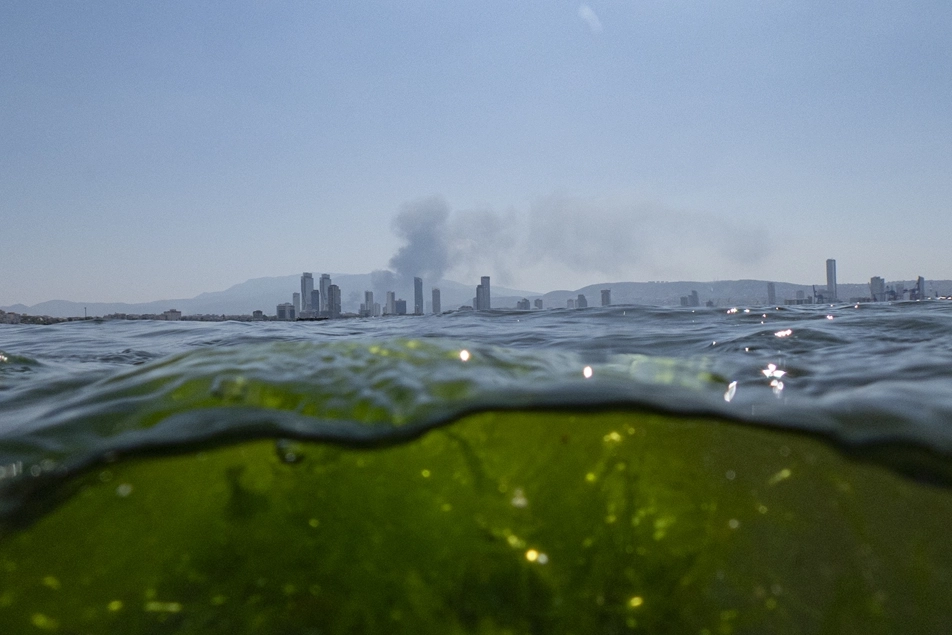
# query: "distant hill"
266,293
721,292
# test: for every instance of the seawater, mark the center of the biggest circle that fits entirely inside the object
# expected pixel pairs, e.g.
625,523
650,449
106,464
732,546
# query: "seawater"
613,470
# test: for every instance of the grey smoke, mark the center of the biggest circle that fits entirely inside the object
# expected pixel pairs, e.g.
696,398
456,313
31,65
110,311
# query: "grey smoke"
422,224
587,236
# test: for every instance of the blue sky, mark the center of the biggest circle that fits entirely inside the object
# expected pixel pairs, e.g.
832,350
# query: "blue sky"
152,152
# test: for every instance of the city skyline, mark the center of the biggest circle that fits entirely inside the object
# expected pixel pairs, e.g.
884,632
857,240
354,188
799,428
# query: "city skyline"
675,141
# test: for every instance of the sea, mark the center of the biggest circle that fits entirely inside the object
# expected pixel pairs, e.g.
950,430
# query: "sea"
623,469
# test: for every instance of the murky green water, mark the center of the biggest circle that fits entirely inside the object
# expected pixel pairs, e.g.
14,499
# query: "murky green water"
326,482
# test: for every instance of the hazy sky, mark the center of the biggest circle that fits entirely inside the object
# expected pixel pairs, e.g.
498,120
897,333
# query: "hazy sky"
158,150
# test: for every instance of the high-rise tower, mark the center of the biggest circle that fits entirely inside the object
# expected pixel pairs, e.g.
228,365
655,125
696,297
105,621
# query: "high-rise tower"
307,285
333,301
325,287
831,280
437,307
417,296
483,300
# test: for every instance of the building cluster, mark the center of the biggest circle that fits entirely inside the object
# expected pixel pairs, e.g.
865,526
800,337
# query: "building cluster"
311,303
324,302
878,291
19,318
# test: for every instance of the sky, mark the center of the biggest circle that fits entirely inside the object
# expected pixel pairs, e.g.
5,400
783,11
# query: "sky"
158,150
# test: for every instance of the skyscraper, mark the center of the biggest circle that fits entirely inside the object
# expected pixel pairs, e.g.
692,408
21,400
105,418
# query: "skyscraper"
307,285
325,286
316,305
369,303
831,280
390,306
437,308
418,296
333,301
877,289
606,297
401,307
483,301
296,301
771,293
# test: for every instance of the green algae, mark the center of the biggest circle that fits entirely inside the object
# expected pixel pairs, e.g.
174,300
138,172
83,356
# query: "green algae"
505,522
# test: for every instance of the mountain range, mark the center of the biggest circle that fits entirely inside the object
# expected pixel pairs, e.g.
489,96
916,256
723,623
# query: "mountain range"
266,293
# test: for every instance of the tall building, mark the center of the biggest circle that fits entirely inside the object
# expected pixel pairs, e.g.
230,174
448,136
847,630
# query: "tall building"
921,288
483,299
325,286
538,303
307,285
390,307
437,307
606,297
418,296
877,289
333,301
286,311
831,280
691,300
296,301
368,303
771,293
401,307
316,305
581,302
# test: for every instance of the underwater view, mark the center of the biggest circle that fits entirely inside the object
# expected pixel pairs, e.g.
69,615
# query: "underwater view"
610,470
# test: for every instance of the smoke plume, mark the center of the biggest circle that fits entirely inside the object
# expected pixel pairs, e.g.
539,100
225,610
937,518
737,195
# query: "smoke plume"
560,235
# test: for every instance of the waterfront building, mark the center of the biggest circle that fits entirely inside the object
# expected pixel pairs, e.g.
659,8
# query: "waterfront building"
877,289
581,302
538,303
368,305
316,304
606,297
286,311
333,301
296,301
325,285
307,286
483,300
771,293
257,316
418,296
401,307
920,288
570,304
522,305
173,314
437,306
390,306
376,309
830,280
690,300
